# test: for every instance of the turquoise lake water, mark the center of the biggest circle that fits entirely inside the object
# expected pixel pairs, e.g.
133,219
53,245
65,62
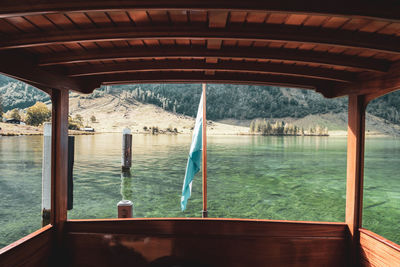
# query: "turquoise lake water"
285,178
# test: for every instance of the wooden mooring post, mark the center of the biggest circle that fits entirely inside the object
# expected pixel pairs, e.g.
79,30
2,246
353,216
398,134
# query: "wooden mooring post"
125,209
46,174
126,149
125,206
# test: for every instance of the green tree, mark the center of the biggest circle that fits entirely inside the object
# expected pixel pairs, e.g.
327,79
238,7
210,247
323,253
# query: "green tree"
79,118
15,114
93,119
37,114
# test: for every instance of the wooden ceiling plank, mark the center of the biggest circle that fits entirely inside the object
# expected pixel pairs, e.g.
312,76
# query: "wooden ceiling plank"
197,16
61,21
335,22
120,44
42,22
105,44
296,19
237,17
315,20
355,24
214,44
200,43
244,43
81,20
140,18
89,45
256,17
227,53
374,26
277,18
22,24
178,16
217,19
151,43
229,43
74,47
100,19
135,43
120,18
159,17
58,48
292,45
392,28
260,44
7,28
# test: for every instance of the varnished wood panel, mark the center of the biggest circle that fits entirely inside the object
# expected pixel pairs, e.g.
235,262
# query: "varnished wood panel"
32,250
378,251
355,169
211,242
59,160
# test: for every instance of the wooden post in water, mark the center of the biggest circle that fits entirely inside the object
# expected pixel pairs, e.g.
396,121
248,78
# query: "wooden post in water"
46,174
126,149
125,209
204,154
125,206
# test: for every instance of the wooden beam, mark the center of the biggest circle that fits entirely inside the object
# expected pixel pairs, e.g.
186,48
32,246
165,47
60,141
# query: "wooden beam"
201,65
355,169
357,8
294,55
378,251
269,32
373,85
225,242
59,159
22,67
32,250
322,86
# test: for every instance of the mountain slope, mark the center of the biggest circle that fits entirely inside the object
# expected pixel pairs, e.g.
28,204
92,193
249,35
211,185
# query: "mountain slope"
238,102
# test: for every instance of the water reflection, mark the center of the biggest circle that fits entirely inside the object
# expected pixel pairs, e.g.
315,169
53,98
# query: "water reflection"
126,185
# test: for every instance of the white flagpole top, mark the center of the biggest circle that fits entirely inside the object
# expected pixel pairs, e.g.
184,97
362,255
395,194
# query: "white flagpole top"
47,129
126,131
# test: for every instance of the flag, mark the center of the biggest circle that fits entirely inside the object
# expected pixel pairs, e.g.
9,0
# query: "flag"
194,160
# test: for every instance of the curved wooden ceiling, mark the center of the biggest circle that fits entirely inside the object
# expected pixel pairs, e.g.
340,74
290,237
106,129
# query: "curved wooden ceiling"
334,48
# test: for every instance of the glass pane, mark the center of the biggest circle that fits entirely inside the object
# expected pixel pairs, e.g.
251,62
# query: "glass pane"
21,158
297,176
381,206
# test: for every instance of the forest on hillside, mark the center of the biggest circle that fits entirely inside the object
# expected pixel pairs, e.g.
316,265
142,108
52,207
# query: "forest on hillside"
223,100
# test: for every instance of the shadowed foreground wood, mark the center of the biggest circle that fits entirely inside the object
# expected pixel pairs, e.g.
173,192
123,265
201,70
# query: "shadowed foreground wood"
378,251
32,250
208,242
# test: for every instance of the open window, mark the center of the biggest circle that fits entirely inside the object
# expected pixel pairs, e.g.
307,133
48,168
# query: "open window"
25,159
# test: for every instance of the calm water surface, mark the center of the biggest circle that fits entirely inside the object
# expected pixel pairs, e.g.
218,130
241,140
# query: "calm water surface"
291,178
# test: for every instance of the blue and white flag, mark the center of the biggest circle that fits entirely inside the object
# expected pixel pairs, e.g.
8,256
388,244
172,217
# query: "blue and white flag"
194,160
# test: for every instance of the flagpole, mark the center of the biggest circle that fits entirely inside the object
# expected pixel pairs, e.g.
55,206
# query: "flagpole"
204,154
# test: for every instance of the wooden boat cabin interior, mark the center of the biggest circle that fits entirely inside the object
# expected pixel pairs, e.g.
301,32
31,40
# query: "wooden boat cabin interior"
337,48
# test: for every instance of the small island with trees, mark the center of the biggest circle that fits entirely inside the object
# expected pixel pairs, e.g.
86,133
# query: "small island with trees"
280,128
